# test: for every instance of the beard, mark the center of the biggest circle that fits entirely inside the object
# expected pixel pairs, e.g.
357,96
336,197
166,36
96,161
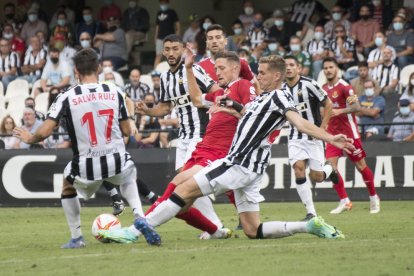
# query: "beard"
174,62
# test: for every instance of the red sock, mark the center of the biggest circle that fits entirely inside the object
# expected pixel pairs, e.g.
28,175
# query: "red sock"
196,219
168,191
230,195
368,177
340,188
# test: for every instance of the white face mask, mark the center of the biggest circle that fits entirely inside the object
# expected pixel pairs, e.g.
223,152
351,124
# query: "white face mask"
86,44
369,92
248,10
7,36
32,17
336,16
107,69
319,35
272,47
398,26
237,31
279,23
295,47
405,110
206,25
378,41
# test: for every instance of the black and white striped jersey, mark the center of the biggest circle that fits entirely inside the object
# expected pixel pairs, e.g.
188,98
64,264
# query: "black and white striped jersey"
316,47
32,59
258,128
302,10
257,38
137,93
376,54
174,89
308,96
10,61
384,74
92,113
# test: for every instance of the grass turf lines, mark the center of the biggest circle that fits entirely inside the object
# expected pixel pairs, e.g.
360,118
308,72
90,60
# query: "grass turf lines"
381,244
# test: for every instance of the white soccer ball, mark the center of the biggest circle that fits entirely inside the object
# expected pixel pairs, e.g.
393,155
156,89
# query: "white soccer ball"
104,222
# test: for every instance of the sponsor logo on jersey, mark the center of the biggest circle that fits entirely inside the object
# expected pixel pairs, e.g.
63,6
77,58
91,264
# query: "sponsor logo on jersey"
181,101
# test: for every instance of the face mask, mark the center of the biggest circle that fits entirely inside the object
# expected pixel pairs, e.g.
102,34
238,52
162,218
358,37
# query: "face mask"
279,23
376,3
164,7
248,10
398,26
405,110
7,36
61,22
272,47
54,60
365,17
132,4
107,69
32,17
237,31
112,29
87,18
258,24
369,92
206,25
85,43
319,35
295,47
336,16
378,41
150,105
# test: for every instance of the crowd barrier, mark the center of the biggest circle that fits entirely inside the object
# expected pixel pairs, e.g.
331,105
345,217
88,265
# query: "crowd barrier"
34,177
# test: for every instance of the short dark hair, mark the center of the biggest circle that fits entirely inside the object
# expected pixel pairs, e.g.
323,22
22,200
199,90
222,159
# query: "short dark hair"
86,61
362,64
172,38
29,99
87,8
228,55
216,27
330,59
292,57
53,50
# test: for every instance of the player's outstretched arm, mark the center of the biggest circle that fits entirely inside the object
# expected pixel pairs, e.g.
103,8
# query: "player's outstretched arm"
193,88
160,110
41,133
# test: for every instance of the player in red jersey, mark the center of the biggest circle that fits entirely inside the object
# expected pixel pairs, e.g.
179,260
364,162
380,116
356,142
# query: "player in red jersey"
345,104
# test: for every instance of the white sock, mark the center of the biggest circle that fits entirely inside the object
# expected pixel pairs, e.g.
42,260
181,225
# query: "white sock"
345,200
372,198
129,190
305,194
205,206
281,229
113,192
165,211
327,169
71,207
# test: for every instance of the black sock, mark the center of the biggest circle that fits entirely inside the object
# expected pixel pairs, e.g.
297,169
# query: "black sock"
259,234
143,189
177,200
300,181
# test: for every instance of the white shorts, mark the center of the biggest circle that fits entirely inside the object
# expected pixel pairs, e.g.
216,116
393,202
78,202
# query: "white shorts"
311,150
222,176
88,187
185,148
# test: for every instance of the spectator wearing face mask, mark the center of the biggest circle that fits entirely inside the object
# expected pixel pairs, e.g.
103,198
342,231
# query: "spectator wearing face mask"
247,17
238,37
362,31
375,56
363,76
33,25
387,73
200,38
17,44
372,110
69,15
63,28
403,42
107,67
337,17
192,30
342,48
303,57
399,133
409,91
257,34
316,49
283,32
382,13
273,48
89,25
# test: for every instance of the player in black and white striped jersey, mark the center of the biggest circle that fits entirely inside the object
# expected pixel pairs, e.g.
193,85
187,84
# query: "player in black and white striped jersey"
242,169
97,119
304,150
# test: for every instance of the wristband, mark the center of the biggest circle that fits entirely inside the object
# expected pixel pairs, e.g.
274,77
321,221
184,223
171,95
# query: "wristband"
230,103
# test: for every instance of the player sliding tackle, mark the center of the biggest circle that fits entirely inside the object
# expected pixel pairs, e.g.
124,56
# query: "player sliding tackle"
242,169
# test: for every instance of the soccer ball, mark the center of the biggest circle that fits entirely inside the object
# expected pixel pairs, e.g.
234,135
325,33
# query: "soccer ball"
104,222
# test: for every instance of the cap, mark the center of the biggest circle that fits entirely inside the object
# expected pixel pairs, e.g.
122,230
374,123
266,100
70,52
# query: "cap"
155,74
404,102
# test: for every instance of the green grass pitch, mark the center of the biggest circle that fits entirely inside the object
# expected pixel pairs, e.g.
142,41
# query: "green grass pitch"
381,244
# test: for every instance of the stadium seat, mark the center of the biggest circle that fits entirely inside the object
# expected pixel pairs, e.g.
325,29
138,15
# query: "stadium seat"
16,104
162,67
405,75
35,85
17,115
42,102
1,89
147,80
322,79
2,98
17,87
2,113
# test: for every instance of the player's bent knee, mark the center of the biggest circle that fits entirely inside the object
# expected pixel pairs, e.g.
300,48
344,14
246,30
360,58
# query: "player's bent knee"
316,176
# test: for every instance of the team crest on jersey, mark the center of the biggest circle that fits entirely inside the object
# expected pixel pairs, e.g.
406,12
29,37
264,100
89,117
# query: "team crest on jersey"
335,94
300,92
180,81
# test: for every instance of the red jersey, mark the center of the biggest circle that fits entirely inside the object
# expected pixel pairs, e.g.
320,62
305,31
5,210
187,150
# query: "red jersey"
222,126
344,123
245,72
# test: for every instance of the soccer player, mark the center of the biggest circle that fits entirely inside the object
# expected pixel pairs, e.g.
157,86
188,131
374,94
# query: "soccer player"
242,169
303,149
345,104
97,120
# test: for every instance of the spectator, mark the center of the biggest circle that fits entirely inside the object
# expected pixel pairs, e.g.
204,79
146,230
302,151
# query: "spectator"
135,23
85,41
69,15
363,75
7,126
342,48
362,31
135,89
403,42
382,13
386,73
34,61
109,78
57,140
156,82
166,23
409,91
399,133
66,51
33,25
247,17
42,39
107,67
303,57
191,32
145,139
112,44
110,9
62,28
257,34
169,124
244,53
10,16
41,14
316,49
273,48
281,32
9,62
30,103
30,123
89,25
200,38
372,110
17,44
375,56
56,73
337,17
239,37
304,11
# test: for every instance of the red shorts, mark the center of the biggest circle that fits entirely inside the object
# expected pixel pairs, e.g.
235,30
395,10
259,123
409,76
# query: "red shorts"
355,156
203,157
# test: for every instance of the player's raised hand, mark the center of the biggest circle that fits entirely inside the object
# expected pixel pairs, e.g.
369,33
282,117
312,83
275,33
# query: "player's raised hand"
342,142
22,134
189,56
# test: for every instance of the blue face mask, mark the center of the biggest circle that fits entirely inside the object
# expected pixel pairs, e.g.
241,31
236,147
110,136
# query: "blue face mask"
378,41
32,17
164,7
405,110
61,22
369,92
237,31
87,18
85,43
206,25
272,47
398,26
295,47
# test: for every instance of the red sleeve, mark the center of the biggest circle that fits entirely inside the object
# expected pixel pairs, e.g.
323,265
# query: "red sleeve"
348,90
20,47
211,97
245,71
246,92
